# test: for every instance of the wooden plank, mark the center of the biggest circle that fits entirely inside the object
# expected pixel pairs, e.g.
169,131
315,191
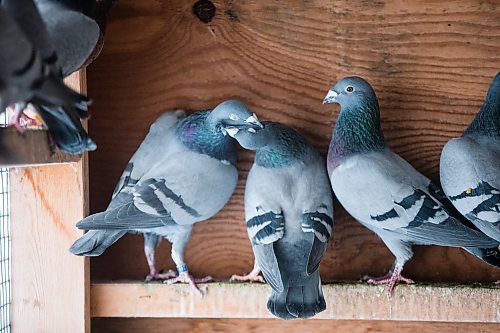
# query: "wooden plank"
155,325
50,285
31,148
430,62
456,303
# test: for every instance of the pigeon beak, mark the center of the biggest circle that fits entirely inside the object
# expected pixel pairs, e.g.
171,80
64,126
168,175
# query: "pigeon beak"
253,120
330,97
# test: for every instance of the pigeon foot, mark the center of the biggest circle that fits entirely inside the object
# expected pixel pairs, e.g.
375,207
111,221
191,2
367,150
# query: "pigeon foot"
253,276
390,279
184,277
154,275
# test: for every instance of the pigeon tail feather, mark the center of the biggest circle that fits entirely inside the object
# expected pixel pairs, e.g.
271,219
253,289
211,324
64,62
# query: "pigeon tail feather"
299,300
95,242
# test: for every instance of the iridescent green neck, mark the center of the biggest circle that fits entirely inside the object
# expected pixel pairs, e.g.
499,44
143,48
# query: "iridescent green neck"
357,131
286,147
205,137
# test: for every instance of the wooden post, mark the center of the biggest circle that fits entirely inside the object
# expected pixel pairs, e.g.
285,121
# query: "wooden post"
50,285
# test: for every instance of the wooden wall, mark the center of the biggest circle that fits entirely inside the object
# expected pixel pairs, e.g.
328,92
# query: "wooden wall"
429,61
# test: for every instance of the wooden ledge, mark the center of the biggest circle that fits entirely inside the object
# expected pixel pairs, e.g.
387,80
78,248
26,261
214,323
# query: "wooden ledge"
29,149
452,303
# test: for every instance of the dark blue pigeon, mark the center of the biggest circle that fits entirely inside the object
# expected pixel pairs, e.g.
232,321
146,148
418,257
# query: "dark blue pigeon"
470,167
38,81
289,214
384,192
184,172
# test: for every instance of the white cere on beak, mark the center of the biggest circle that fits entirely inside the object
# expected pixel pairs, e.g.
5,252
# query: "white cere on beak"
234,117
252,130
254,120
232,131
331,94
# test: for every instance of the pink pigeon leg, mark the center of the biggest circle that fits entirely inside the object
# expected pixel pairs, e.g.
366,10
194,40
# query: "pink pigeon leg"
149,252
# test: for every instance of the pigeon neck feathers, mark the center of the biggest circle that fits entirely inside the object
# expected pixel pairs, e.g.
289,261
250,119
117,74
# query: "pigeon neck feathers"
285,147
487,121
357,131
204,137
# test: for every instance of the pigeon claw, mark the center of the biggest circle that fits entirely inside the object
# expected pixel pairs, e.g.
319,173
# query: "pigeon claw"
184,277
390,279
152,276
253,276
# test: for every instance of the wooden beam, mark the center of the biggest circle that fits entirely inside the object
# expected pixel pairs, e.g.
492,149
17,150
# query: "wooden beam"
30,149
49,285
210,325
344,301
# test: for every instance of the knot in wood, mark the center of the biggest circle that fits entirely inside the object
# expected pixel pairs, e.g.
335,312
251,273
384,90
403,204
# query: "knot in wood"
204,10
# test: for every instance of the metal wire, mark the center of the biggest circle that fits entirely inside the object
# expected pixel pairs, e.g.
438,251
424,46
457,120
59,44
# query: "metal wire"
5,268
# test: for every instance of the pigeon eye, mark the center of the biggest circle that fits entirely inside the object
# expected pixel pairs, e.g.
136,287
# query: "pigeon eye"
349,89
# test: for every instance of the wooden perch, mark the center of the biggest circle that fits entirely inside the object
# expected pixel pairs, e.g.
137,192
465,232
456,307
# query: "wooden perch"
31,148
455,303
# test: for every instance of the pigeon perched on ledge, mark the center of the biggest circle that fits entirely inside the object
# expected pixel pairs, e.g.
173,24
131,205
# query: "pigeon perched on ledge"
31,74
184,172
289,214
384,192
470,167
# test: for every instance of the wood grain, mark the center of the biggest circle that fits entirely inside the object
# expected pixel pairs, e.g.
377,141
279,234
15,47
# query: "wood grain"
149,325
344,301
430,63
31,148
50,286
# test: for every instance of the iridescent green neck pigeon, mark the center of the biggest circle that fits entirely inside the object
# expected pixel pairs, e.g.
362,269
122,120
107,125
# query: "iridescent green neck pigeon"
470,167
384,192
184,172
289,214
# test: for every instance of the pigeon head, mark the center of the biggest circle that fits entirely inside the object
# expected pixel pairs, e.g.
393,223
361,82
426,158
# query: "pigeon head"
350,92
233,116
251,138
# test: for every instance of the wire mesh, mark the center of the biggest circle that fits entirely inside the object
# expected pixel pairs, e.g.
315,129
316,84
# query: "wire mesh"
5,248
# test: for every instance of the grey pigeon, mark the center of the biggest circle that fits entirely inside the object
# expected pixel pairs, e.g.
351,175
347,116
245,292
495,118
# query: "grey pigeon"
31,74
470,167
183,173
289,214
384,192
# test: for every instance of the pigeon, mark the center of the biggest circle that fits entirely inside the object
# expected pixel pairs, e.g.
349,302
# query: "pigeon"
184,172
384,192
39,84
289,216
470,167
